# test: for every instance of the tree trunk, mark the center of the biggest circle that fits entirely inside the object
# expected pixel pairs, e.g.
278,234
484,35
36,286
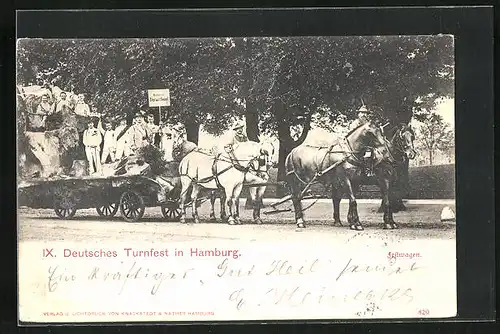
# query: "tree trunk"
252,120
287,144
430,157
252,126
193,132
401,187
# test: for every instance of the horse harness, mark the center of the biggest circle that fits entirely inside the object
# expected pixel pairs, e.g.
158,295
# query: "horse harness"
234,164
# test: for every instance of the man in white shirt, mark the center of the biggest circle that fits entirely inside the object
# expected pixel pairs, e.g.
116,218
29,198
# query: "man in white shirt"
166,142
123,139
92,140
63,105
82,108
109,138
38,119
152,128
139,133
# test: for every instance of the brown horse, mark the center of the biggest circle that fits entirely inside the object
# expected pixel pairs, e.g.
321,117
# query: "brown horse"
334,166
401,137
400,147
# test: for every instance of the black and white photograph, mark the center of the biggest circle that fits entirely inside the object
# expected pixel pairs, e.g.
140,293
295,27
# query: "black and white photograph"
236,178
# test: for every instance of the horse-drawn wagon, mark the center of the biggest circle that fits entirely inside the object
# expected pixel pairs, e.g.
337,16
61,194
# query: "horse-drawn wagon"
129,194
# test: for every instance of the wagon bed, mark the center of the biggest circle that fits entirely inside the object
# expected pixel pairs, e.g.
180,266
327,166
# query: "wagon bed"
130,194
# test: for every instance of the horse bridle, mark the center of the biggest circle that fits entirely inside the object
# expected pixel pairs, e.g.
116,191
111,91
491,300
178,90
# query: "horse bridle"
397,139
353,153
250,166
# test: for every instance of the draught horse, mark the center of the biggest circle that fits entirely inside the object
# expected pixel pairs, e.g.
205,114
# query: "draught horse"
401,137
226,171
334,166
252,177
400,147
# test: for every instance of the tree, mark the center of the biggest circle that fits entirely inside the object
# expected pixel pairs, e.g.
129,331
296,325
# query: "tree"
434,134
116,74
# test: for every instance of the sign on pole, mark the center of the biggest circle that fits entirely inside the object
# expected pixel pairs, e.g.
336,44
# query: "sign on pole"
159,97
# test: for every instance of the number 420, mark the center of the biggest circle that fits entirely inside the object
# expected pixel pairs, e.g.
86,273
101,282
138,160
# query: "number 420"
423,311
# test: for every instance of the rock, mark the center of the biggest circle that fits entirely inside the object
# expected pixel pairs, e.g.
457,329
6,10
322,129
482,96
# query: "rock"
447,214
45,147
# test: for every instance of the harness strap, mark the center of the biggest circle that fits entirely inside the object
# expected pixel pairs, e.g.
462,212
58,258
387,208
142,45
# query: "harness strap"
214,171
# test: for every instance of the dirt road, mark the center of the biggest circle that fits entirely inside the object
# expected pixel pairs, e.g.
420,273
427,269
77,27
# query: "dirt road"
420,221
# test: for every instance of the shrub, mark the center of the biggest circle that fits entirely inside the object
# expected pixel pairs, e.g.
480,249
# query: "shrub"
153,156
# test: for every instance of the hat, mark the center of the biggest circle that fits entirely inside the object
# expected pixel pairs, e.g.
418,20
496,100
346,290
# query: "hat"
238,125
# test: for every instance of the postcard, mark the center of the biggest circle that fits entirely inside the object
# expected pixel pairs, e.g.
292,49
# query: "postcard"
236,178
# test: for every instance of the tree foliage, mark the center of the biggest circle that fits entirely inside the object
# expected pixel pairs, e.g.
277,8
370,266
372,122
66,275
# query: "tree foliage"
274,82
435,135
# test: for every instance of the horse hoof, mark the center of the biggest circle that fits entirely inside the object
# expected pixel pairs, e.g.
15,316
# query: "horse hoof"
301,225
337,222
258,221
182,221
359,228
388,226
231,222
395,226
212,218
197,220
355,227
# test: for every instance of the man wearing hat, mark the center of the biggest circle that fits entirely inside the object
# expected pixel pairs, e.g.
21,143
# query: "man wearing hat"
123,139
364,117
239,133
139,133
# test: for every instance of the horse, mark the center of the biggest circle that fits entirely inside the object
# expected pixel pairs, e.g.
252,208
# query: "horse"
252,177
334,166
400,147
182,148
226,171
402,137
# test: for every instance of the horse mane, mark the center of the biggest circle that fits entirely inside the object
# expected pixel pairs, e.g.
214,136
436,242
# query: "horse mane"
355,129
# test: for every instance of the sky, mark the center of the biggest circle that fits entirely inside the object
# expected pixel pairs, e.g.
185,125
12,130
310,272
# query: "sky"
447,111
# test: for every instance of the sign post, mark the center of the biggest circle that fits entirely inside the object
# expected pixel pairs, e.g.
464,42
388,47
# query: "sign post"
159,98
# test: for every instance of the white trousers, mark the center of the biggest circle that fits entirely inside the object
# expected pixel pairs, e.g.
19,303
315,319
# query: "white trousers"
93,159
122,149
107,151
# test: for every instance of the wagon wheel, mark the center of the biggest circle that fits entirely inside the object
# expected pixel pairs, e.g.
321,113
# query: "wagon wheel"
107,210
65,207
171,211
132,206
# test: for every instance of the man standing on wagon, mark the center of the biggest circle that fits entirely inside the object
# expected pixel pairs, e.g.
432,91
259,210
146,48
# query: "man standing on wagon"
123,139
152,128
92,140
139,133
109,145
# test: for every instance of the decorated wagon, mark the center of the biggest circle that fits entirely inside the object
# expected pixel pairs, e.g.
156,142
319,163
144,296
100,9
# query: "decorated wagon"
130,194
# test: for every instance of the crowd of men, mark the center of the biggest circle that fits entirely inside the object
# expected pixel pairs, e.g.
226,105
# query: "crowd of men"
103,140
125,140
